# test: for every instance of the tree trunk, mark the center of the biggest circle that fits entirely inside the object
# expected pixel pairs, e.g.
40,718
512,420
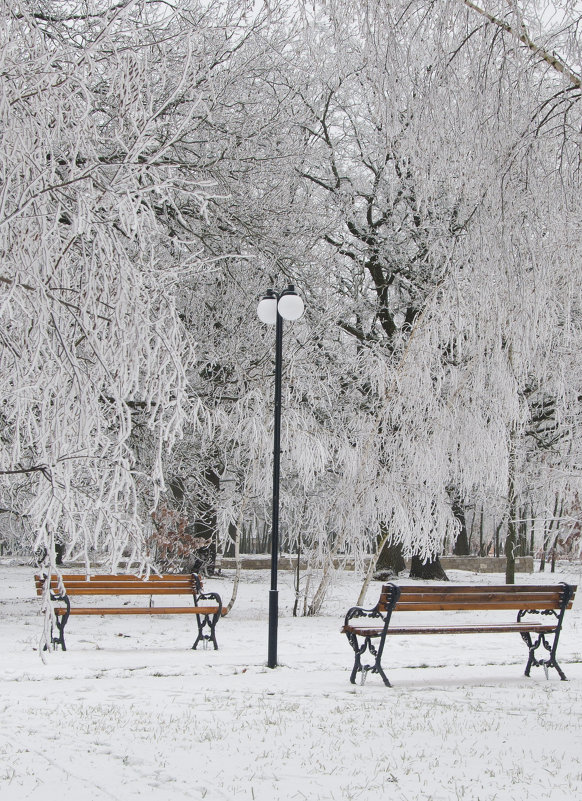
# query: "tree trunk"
297,580
206,527
431,570
383,540
230,547
482,551
510,553
496,546
461,547
391,557
323,586
548,526
554,552
238,561
511,540
522,545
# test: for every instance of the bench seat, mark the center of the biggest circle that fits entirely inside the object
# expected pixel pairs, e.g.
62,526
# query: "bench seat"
487,628
137,610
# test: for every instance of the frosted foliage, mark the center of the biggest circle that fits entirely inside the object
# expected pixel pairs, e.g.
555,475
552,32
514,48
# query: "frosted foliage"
427,162
371,439
421,187
412,176
441,192
91,340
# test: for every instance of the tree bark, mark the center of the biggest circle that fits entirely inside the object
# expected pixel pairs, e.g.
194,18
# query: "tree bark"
236,531
431,570
391,557
482,549
206,527
511,540
461,547
510,553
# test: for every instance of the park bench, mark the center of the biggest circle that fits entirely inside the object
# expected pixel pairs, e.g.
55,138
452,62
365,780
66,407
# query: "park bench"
206,606
367,629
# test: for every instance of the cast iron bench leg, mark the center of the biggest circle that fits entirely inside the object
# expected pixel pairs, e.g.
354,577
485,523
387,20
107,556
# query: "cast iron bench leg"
61,621
361,649
207,621
357,660
545,663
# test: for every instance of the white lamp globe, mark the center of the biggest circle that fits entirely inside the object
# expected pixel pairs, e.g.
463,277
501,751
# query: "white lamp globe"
267,309
290,305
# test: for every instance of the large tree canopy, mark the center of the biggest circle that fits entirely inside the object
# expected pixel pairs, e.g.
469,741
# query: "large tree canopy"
98,111
413,167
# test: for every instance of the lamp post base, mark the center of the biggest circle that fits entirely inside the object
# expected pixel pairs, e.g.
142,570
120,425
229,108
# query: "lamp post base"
273,620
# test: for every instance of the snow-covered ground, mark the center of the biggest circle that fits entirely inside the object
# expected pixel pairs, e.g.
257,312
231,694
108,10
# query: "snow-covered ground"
130,711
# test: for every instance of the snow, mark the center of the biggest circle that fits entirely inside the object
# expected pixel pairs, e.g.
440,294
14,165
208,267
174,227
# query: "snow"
130,711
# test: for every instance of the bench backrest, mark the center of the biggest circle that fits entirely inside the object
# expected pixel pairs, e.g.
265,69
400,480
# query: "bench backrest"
470,597
124,584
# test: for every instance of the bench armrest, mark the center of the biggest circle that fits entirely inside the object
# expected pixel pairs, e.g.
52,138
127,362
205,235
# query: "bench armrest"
383,608
360,612
209,596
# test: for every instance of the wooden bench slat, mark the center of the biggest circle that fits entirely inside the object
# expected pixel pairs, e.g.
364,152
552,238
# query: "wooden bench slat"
78,578
492,628
138,610
127,586
477,589
443,592
485,596
127,590
124,584
461,606
79,584
442,598
120,577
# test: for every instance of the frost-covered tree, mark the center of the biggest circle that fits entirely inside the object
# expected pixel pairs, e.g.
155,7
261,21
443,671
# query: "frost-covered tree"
412,168
437,180
411,190
100,108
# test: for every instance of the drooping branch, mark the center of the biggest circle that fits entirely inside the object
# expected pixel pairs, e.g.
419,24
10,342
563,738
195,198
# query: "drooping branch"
522,35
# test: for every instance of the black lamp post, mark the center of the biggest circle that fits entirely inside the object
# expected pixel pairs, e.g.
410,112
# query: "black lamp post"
273,308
